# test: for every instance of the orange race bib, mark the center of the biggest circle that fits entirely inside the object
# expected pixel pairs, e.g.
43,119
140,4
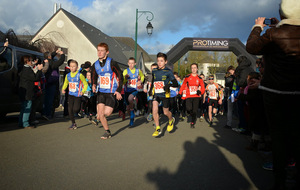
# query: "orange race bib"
159,87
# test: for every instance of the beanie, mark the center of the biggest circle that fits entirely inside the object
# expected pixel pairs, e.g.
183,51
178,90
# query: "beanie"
290,9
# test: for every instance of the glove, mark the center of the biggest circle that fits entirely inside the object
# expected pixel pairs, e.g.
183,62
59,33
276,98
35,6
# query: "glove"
167,87
198,92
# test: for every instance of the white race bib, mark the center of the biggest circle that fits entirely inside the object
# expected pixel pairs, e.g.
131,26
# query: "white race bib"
193,90
105,82
131,83
72,86
159,87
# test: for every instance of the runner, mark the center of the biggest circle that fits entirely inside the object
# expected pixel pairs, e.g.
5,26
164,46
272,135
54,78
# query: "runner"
160,87
77,87
105,74
131,77
147,88
212,90
195,88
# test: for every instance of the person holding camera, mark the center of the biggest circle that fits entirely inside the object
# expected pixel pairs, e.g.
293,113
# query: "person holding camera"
26,89
52,81
280,48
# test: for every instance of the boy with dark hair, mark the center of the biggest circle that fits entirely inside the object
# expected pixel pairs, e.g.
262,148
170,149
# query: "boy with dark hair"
160,88
195,88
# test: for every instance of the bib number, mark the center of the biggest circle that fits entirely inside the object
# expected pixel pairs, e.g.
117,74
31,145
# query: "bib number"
131,83
193,90
159,87
72,86
105,82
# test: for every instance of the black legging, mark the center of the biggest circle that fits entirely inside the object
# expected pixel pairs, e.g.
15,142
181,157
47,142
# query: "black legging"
74,106
192,107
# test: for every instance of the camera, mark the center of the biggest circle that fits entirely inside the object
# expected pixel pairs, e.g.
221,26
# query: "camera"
271,21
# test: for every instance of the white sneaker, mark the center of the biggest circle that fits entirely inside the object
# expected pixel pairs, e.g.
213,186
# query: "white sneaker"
137,113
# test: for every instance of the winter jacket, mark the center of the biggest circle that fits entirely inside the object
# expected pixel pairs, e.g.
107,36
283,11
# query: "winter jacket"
280,47
26,85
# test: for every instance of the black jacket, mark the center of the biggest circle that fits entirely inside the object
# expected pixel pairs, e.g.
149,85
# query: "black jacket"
242,72
26,85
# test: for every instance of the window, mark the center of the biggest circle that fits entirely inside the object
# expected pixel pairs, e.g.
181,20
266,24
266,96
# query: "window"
5,59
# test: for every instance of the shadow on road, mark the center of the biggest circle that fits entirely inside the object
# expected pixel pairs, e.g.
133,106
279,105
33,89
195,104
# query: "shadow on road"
200,169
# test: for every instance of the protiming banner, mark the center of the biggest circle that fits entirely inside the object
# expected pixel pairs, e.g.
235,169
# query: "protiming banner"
210,44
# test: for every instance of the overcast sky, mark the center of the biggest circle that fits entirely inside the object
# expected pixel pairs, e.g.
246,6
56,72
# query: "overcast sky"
173,19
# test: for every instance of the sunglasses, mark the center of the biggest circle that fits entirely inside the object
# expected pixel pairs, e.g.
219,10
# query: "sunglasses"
211,79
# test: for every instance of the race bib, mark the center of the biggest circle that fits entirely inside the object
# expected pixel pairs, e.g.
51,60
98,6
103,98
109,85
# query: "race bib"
105,82
159,87
87,94
72,86
131,83
184,93
193,90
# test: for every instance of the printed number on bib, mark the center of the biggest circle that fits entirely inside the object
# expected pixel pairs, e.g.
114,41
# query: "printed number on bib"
72,86
131,83
212,94
104,82
159,87
193,90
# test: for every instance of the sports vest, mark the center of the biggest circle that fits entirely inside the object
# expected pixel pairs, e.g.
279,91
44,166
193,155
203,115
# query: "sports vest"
107,82
75,85
132,80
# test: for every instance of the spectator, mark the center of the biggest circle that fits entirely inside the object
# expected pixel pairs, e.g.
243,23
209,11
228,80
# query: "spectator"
26,89
280,83
241,74
52,82
229,79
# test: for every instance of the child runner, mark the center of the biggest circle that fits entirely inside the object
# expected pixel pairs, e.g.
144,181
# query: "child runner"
195,88
75,80
106,73
212,90
147,90
131,76
161,79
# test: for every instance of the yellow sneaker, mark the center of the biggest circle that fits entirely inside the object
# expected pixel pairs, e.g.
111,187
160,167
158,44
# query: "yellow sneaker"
171,125
157,132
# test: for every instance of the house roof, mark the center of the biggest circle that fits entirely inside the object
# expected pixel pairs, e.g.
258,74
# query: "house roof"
131,43
95,36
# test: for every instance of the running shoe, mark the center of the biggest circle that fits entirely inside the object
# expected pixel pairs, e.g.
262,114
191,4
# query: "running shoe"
106,135
157,132
95,122
90,118
201,118
80,114
73,126
149,117
192,125
210,123
268,166
227,127
171,125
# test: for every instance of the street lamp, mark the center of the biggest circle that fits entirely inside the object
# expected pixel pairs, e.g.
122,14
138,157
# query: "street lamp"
149,26
185,62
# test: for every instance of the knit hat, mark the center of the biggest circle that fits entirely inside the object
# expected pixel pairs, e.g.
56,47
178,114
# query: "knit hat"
290,9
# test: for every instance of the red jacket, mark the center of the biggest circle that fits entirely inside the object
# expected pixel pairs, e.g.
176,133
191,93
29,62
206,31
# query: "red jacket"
192,84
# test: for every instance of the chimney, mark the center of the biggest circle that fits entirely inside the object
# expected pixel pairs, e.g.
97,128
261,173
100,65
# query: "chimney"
55,8
60,6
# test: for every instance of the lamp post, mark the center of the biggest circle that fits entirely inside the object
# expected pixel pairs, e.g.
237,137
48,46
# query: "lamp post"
149,26
185,62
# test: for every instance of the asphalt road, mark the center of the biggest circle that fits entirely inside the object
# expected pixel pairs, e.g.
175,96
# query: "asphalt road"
53,157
